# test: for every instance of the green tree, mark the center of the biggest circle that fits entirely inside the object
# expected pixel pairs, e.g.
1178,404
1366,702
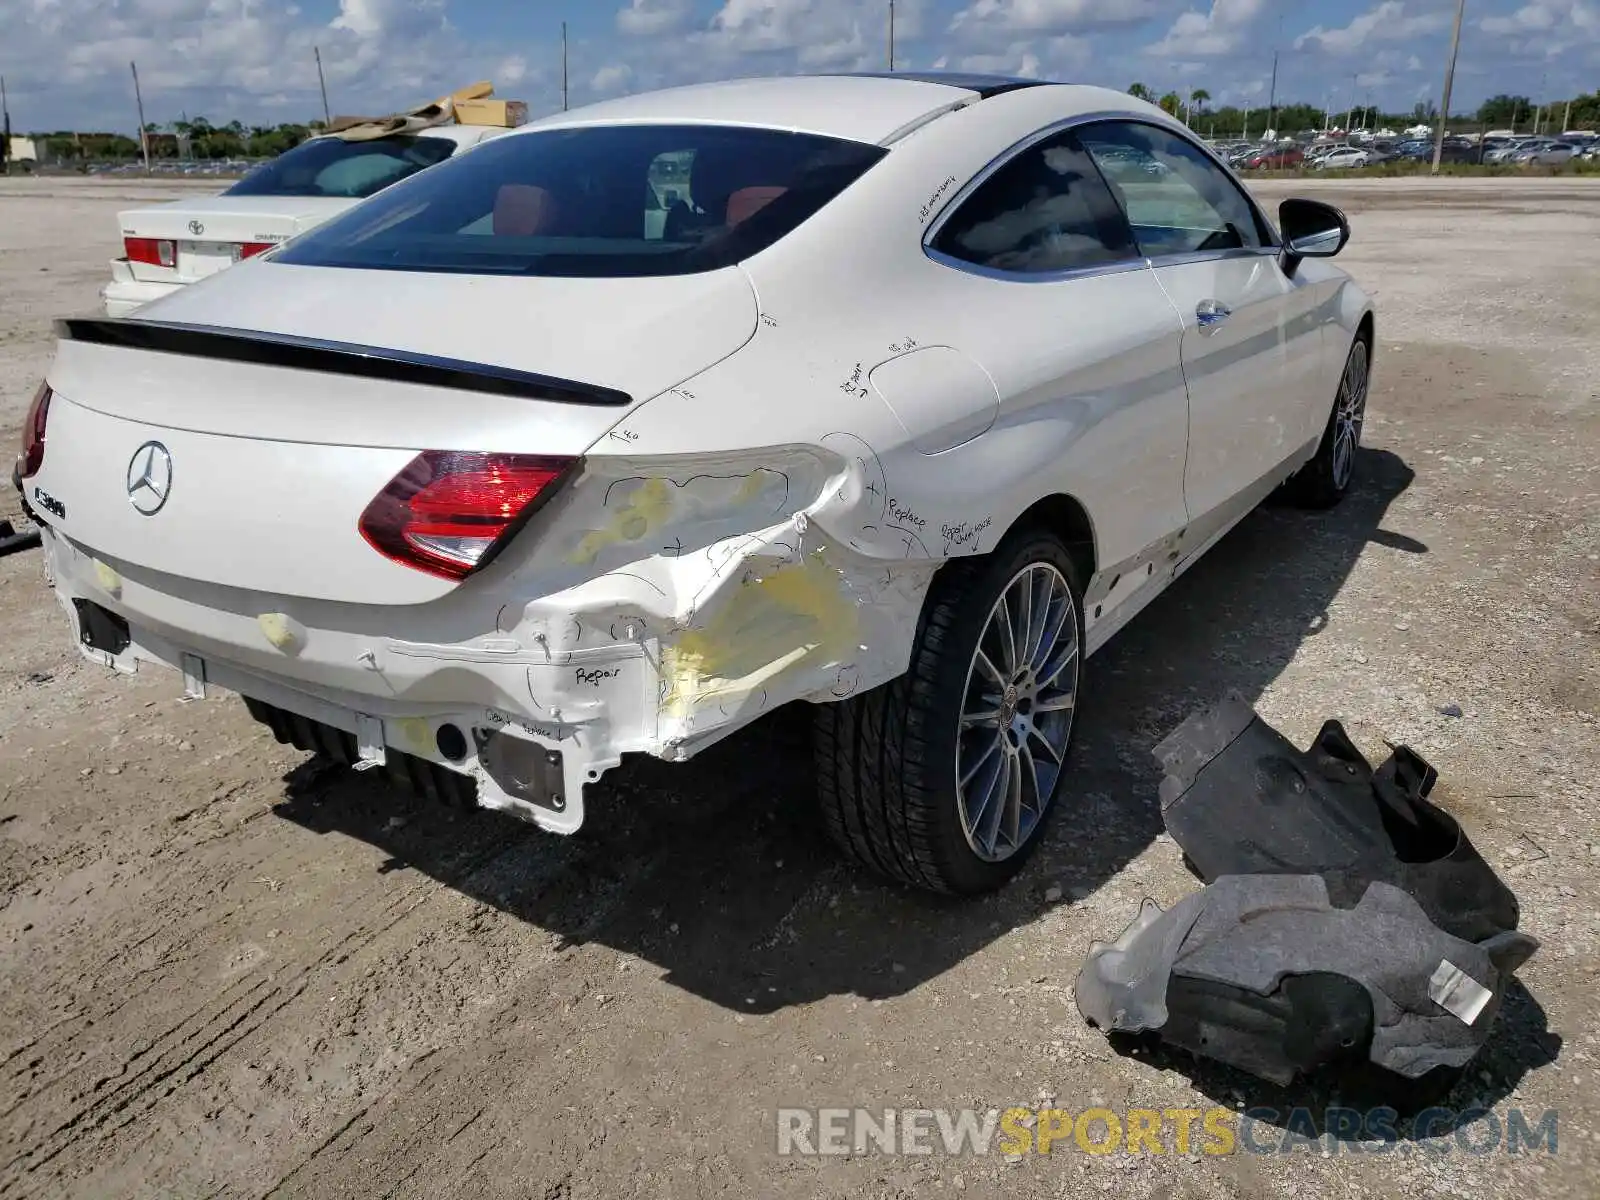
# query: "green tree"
1172,102
1139,92
1504,110
1200,98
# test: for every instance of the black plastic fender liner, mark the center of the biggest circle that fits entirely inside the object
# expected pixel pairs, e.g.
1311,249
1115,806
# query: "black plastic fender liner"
1239,798
1265,973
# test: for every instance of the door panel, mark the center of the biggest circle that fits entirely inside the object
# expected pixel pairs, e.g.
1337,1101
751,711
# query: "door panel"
1240,428
1050,294
1216,259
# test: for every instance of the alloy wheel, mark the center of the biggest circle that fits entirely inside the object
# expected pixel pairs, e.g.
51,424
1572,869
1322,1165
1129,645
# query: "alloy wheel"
1017,710
1351,413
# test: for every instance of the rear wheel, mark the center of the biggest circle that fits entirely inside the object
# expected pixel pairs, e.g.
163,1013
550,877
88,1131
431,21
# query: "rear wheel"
1323,481
945,777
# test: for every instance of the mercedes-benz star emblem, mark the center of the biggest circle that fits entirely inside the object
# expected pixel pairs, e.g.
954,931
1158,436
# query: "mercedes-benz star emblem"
150,478
196,228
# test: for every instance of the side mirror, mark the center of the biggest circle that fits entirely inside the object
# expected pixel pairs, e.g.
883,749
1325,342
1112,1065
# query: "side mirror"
1311,229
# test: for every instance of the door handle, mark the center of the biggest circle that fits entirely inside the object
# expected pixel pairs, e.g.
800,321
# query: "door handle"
1211,314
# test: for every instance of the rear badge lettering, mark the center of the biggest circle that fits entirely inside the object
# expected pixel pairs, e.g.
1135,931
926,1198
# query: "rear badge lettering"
49,503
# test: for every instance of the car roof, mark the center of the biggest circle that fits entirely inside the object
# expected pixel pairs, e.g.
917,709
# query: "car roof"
860,107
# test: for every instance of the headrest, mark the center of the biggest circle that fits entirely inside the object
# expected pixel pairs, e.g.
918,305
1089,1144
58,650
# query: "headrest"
747,202
522,210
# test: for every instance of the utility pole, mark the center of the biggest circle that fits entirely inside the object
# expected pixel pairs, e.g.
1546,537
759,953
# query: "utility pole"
1272,95
563,66
1566,122
1246,135
327,117
891,36
1350,117
144,138
5,133
1449,82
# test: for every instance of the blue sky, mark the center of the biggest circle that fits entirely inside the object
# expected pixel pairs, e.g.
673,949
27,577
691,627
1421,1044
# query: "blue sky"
66,61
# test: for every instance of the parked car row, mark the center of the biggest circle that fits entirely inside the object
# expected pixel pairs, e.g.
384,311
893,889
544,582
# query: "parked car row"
1347,155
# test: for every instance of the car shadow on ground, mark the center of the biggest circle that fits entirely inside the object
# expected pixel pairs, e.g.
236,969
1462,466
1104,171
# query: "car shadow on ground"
718,873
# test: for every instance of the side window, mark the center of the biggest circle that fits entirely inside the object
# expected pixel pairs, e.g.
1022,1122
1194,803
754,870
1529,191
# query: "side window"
1045,210
1177,200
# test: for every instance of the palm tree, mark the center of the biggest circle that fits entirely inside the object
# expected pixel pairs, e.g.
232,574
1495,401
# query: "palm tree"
1200,98
1139,92
1172,102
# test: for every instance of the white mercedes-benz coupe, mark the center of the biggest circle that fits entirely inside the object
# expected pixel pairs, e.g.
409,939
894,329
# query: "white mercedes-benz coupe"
898,395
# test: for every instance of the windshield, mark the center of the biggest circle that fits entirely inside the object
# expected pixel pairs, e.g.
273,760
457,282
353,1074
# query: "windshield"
604,200
333,167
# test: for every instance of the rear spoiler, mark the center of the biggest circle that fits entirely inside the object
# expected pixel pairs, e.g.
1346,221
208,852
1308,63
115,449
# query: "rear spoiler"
330,358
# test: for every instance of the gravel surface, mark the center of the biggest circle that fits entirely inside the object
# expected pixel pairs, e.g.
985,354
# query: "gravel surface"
223,972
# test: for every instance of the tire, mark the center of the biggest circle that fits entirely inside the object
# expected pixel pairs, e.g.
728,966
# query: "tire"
1323,481
887,761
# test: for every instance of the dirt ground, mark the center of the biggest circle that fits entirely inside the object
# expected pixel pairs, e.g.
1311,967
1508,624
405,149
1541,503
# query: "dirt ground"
223,973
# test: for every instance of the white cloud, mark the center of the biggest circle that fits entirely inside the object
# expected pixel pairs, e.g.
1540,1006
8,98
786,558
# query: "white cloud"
1564,22
611,79
511,71
818,34
1532,18
1389,21
66,61
1210,35
653,18
1052,16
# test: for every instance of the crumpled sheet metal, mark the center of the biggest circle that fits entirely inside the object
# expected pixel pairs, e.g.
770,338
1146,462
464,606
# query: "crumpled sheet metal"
1253,932
1346,916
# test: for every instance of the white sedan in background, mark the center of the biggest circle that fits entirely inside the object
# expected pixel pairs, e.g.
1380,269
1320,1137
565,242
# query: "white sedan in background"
1343,160
167,246
920,390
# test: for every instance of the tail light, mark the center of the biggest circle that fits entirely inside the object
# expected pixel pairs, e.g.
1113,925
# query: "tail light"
450,512
251,249
33,432
155,252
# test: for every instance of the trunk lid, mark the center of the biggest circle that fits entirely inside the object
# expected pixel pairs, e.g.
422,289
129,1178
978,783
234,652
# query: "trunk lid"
210,231
272,465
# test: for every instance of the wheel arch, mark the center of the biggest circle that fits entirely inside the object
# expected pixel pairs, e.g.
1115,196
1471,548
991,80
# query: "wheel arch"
1066,517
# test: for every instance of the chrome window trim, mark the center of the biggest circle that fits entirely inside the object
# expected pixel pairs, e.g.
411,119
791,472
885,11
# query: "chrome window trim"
1108,268
1272,246
1194,256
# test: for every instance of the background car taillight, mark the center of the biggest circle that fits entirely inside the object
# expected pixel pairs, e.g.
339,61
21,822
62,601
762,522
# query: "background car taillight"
155,252
251,249
449,512
33,431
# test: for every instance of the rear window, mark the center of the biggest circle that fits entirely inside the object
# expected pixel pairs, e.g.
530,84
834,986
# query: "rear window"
333,167
608,200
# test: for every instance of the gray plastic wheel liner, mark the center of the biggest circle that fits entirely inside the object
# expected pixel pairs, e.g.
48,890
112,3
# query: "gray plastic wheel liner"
1250,931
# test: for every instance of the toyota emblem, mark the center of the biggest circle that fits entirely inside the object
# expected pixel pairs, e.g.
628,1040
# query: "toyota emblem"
196,228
